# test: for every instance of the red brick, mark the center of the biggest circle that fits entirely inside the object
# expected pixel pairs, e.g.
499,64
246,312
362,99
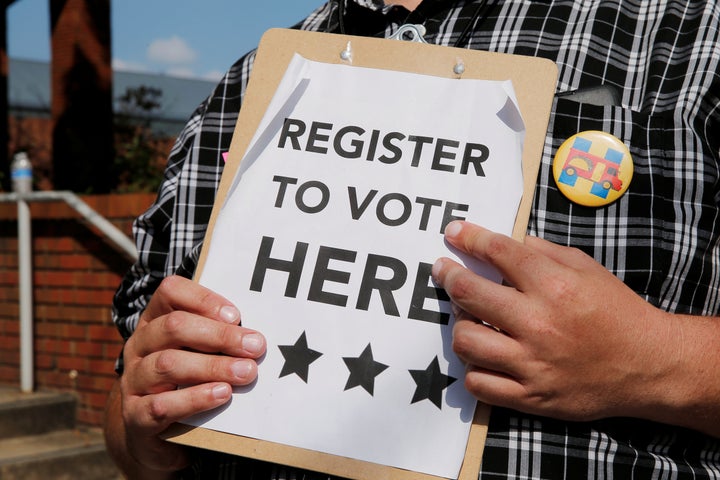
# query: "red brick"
96,382
44,361
72,313
10,244
100,333
47,329
10,357
9,375
45,312
9,259
9,342
90,417
8,211
9,293
93,297
74,332
60,330
54,379
68,363
53,345
62,296
45,210
9,277
55,278
56,244
102,367
114,351
83,314
89,349
109,280
119,206
75,261
10,327
97,400
46,261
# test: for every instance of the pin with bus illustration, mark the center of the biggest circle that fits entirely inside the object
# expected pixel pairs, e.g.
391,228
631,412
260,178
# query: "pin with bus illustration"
593,168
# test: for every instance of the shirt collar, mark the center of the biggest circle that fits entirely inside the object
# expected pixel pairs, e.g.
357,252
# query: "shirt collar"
371,4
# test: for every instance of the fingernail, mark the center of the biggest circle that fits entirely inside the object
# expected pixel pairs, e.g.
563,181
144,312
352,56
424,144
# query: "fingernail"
253,343
453,229
221,391
241,369
229,314
437,266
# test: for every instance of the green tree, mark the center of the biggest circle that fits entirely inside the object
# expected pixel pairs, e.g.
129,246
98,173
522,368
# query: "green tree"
139,160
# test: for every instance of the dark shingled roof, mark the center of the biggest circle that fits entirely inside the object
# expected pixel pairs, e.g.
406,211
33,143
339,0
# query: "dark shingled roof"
29,91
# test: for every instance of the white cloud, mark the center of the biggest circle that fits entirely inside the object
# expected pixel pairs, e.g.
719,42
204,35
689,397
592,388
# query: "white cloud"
124,66
173,50
214,75
182,72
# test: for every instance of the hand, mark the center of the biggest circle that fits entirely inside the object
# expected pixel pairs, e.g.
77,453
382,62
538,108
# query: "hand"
177,342
569,339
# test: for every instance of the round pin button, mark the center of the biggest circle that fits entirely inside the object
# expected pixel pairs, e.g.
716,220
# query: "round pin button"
593,168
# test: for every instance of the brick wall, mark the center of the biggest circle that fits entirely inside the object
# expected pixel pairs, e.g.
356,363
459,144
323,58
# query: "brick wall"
75,273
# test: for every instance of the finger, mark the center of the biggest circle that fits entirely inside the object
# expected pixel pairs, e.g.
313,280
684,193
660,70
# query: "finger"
495,388
520,266
178,293
482,346
152,414
189,331
496,304
164,371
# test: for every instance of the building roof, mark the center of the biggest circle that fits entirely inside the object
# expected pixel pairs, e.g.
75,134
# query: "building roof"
29,91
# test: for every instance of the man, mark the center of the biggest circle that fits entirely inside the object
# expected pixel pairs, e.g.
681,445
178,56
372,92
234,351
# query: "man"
605,355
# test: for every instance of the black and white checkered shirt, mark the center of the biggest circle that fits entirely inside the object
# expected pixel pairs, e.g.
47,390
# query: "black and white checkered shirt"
662,238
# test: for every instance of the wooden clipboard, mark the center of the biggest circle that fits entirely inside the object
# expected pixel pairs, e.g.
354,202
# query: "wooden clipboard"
534,83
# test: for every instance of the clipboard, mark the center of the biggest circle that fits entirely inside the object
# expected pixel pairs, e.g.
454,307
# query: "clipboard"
534,82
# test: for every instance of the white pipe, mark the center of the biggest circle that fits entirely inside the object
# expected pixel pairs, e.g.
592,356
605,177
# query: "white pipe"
26,300
114,234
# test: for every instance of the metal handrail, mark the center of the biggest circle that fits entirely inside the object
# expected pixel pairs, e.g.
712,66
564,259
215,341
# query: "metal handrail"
114,235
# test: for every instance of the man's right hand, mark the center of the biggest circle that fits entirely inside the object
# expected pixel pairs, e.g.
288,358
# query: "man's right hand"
177,341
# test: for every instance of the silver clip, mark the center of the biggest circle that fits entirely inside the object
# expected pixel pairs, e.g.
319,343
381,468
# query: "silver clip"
346,54
411,33
459,67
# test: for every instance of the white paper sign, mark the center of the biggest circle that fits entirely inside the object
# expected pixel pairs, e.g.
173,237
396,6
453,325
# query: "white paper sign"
325,243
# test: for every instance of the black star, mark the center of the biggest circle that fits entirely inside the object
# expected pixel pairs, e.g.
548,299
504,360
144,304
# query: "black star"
430,383
298,358
363,370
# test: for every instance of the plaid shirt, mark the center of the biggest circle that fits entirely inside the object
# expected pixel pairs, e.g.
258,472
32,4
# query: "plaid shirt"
662,238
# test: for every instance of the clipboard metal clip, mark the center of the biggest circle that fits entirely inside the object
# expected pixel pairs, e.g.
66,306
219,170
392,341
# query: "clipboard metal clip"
410,33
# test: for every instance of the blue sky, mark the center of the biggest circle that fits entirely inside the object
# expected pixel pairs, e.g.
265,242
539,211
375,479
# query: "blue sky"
195,38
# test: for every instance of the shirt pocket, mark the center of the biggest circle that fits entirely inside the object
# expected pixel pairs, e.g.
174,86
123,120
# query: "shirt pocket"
630,236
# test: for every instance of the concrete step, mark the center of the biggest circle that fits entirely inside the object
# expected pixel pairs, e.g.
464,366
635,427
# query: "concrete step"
23,414
58,455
